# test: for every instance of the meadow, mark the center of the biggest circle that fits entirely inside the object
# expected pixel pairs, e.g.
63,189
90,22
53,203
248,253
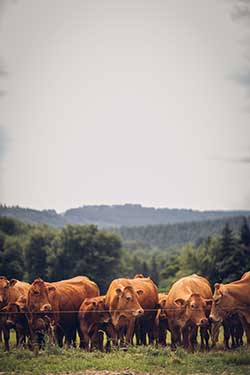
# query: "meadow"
141,360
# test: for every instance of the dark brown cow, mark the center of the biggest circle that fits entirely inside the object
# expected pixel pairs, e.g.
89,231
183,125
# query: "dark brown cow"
148,298
16,318
95,319
10,291
161,321
232,298
122,301
60,301
188,307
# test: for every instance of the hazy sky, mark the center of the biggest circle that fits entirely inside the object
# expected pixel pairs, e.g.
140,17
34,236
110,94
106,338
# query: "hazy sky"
111,101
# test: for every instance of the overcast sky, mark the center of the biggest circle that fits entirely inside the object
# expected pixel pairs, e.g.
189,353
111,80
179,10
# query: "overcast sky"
112,102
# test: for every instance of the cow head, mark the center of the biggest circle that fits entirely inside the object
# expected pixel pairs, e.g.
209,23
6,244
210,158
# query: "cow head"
223,304
163,307
39,296
4,291
194,309
95,310
128,305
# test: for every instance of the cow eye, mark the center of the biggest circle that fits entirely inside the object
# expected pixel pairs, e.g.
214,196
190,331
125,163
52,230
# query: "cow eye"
128,298
216,301
5,286
35,292
193,305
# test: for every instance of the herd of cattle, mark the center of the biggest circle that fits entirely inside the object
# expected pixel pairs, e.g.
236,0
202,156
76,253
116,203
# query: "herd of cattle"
131,308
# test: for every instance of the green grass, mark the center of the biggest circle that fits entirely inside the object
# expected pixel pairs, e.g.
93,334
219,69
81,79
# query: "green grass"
138,359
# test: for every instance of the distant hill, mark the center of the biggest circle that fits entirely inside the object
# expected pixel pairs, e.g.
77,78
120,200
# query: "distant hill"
165,236
116,216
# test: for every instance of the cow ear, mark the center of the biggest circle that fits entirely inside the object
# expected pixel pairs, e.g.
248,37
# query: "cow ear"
209,302
51,288
216,286
180,302
139,292
13,282
118,292
163,302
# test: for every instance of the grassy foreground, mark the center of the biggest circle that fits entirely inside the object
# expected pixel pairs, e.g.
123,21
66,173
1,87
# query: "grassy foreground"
143,359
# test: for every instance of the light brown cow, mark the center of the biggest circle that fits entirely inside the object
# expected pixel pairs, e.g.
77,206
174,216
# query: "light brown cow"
122,301
95,319
188,306
148,298
10,291
61,302
232,298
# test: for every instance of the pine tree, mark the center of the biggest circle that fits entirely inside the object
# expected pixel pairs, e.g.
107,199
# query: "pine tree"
154,271
245,233
229,257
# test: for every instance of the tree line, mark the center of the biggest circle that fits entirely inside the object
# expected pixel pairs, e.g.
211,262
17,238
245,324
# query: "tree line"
30,251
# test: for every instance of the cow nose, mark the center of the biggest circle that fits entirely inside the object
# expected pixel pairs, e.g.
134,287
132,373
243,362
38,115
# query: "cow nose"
139,312
46,307
204,322
10,323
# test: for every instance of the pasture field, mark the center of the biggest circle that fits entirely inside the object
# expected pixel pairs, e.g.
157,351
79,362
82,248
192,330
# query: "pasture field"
141,360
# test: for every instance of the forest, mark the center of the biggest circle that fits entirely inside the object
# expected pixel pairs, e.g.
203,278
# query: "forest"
28,251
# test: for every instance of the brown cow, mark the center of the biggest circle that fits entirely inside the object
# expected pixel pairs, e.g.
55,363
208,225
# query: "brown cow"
122,301
232,298
188,307
10,291
161,321
60,301
16,318
148,298
95,319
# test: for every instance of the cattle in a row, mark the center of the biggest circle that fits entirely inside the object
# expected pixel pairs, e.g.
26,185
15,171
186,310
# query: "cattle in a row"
132,311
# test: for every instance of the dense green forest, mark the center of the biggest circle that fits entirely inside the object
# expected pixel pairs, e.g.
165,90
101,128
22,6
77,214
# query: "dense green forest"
28,251
163,236
115,216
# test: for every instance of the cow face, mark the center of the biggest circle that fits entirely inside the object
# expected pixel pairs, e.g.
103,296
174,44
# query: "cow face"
193,309
127,303
95,310
12,312
222,304
163,306
38,297
4,287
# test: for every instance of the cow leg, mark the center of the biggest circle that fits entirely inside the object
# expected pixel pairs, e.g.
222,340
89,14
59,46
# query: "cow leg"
162,333
185,337
226,335
193,337
1,335
6,336
175,336
204,338
130,331
59,336
111,336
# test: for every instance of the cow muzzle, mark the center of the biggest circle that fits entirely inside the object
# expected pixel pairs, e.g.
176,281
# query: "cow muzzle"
213,319
9,323
203,322
46,307
138,312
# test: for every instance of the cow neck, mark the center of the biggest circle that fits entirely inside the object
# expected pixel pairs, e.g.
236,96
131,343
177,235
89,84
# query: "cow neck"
238,292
